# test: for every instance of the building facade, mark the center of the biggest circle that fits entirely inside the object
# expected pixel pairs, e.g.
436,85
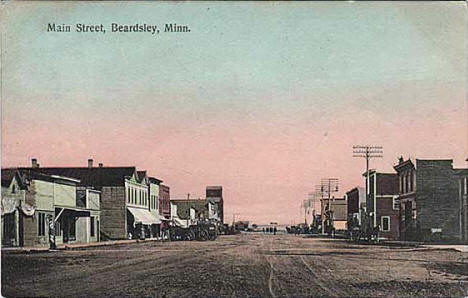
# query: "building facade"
49,210
164,201
334,214
462,176
356,202
382,204
124,201
429,200
214,194
153,190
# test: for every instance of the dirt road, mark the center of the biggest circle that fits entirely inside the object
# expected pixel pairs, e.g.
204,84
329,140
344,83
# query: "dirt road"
238,266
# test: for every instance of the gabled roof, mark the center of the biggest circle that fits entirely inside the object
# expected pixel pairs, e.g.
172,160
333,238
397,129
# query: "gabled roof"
97,177
9,174
24,175
141,176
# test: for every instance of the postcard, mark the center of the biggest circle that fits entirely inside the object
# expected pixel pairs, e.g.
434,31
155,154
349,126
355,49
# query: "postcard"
234,149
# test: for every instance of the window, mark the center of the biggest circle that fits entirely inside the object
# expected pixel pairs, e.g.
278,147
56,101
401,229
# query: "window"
396,203
385,223
92,226
41,224
13,189
410,181
466,186
404,183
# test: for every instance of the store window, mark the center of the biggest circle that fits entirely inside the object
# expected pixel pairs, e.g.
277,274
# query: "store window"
92,228
385,223
41,224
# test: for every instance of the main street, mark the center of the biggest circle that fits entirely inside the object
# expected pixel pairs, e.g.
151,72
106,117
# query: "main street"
243,265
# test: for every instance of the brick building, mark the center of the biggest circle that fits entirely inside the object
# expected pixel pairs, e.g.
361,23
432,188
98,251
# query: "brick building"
382,203
462,176
356,202
429,200
164,201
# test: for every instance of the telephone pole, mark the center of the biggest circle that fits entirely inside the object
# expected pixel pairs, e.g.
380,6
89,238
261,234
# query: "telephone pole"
327,187
368,152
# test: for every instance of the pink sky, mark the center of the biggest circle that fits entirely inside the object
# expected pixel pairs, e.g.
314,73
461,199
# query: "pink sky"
265,113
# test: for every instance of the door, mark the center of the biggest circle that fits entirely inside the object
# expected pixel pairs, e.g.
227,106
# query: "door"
408,230
9,229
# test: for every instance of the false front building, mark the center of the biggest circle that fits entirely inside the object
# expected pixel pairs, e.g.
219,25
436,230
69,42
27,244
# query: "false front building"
40,209
382,203
429,200
125,198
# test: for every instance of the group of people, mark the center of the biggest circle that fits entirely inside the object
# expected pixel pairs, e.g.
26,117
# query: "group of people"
270,230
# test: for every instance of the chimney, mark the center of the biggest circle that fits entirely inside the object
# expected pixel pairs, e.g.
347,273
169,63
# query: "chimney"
34,163
101,165
90,163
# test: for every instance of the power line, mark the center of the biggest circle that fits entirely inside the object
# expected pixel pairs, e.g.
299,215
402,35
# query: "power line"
327,187
368,152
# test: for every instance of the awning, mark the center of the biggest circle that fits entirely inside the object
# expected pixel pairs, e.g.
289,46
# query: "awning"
78,212
143,216
180,222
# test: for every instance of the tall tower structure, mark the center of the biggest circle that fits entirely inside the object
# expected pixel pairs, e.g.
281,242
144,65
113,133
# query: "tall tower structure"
214,194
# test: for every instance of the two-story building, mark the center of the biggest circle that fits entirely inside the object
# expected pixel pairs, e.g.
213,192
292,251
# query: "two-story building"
51,210
124,197
153,189
356,202
382,203
429,200
164,201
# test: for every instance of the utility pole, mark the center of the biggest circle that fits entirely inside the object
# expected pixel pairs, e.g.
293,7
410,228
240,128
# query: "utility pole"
234,218
327,187
369,152
320,193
